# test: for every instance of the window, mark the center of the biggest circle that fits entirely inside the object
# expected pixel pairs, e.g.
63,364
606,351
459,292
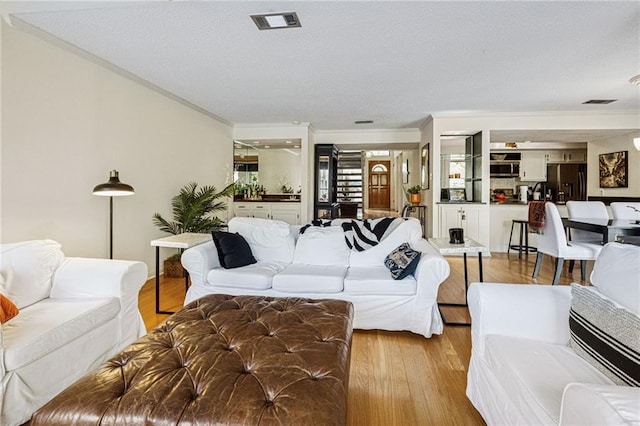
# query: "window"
379,168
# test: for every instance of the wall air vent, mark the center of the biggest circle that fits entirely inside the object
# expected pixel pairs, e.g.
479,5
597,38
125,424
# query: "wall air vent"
363,122
274,21
599,101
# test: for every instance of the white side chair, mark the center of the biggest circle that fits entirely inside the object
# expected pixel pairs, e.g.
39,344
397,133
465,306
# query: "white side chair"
586,210
553,242
625,211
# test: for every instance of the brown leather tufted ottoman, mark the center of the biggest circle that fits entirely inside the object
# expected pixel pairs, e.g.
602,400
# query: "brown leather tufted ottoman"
222,360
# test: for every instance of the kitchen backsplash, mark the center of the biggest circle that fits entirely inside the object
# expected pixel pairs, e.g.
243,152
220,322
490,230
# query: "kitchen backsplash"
503,183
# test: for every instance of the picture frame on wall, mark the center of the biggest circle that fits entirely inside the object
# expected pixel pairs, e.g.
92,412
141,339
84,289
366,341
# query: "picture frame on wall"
614,169
424,168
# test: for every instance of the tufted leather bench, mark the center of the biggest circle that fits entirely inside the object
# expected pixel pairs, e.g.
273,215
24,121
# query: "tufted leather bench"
222,360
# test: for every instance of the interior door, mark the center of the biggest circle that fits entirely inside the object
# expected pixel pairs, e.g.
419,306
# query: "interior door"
379,185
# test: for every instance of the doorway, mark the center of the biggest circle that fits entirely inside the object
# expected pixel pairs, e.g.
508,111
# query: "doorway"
379,184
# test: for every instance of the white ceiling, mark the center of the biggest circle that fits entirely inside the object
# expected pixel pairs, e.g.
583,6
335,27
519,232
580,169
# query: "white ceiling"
392,62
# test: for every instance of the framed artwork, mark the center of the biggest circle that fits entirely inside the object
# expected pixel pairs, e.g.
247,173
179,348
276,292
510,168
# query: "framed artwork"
424,169
405,171
614,170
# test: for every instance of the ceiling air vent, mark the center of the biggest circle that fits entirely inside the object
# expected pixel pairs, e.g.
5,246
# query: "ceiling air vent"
274,21
363,122
599,101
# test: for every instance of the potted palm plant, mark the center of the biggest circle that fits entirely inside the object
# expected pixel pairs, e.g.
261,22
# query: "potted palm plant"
415,192
193,210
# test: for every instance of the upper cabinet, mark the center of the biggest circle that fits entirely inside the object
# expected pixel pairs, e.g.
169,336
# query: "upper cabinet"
567,156
533,166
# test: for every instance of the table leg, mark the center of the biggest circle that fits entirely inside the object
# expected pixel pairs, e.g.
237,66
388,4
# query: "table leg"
465,304
480,266
158,311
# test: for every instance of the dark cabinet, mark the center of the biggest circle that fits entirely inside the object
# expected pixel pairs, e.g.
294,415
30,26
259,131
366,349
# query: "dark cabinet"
326,180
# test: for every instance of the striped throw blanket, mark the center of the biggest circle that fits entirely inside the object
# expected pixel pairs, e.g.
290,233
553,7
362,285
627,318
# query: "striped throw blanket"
361,235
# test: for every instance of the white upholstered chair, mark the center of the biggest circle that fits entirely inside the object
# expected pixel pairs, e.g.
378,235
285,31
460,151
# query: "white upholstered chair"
586,210
553,242
629,211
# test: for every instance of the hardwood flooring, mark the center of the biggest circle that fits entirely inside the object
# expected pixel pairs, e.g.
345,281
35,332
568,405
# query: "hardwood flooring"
400,378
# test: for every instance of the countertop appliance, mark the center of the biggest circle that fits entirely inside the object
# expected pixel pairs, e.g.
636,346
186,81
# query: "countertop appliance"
504,164
567,182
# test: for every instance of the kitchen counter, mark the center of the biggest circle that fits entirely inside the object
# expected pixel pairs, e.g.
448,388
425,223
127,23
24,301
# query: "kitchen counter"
501,216
267,200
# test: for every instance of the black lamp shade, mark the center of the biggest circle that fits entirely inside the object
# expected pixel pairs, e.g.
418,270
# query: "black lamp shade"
113,188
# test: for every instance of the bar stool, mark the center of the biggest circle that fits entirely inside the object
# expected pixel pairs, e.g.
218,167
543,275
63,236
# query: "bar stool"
524,232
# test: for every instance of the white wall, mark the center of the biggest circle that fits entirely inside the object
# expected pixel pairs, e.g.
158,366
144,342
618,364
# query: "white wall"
66,122
614,144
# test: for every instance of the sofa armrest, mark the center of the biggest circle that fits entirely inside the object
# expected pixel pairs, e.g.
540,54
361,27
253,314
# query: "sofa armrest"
199,260
527,311
432,269
79,277
588,404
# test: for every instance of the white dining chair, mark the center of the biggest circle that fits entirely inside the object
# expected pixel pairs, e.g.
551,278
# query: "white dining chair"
629,211
553,242
586,210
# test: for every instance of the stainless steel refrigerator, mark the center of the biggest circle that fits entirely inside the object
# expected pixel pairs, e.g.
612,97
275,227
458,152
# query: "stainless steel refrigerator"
567,182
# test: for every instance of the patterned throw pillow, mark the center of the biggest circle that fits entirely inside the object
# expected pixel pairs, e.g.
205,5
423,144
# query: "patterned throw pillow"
402,261
605,334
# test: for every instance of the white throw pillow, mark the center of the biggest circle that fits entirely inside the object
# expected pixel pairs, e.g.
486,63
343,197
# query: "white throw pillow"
616,274
270,240
322,246
28,269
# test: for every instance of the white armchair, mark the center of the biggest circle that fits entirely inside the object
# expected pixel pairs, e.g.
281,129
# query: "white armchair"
523,369
75,313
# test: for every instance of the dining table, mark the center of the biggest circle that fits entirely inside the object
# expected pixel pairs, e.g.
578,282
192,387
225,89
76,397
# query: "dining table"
610,229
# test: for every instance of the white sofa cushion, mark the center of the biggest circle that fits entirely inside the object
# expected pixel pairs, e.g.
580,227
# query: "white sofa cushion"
377,280
301,278
616,274
27,268
322,246
270,240
408,231
257,276
534,374
46,326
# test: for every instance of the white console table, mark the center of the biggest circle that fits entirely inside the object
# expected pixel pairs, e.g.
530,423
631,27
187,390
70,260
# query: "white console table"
469,246
180,241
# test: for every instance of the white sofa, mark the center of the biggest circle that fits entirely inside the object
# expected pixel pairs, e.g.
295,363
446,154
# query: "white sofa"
319,265
524,370
74,313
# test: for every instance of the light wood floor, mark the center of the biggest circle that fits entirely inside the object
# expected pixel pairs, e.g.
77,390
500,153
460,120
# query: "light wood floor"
399,378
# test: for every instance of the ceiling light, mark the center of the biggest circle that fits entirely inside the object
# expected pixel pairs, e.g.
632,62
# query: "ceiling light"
274,21
599,101
635,80
296,122
287,141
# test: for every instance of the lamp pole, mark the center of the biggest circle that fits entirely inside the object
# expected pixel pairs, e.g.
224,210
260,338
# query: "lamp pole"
113,188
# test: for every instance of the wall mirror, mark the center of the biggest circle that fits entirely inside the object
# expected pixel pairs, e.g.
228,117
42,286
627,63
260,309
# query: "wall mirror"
267,166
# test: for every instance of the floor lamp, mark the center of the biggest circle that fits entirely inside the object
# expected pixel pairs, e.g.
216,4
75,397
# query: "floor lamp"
113,188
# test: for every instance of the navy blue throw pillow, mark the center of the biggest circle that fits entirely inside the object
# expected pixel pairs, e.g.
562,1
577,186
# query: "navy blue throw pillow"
402,261
233,250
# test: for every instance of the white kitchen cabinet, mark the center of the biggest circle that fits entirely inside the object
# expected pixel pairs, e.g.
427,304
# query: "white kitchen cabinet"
286,212
465,216
289,213
567,156
533,166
